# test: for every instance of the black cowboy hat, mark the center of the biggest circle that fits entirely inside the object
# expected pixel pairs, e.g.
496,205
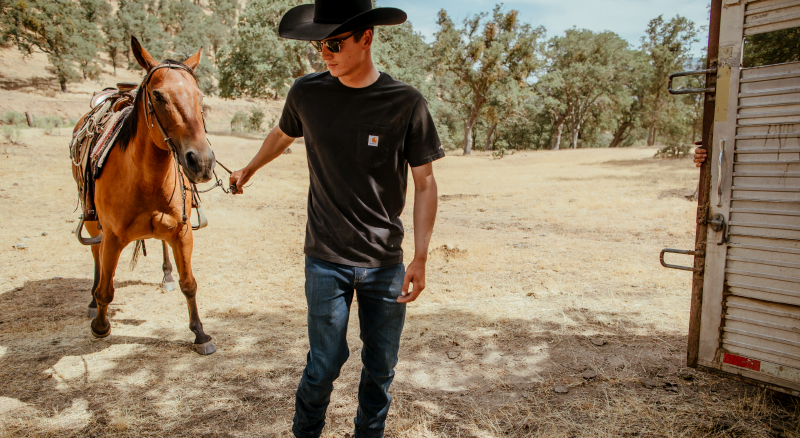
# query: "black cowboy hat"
326,18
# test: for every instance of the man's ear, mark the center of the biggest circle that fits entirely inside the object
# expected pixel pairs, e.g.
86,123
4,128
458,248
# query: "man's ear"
194,60
142,57
366,39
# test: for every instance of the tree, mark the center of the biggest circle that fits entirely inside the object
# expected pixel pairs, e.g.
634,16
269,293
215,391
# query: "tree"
772,47
474,59
87,39
257,62
402,53
221,24
503,105
114,43
139,18
667,45
583,69
626,104
58,28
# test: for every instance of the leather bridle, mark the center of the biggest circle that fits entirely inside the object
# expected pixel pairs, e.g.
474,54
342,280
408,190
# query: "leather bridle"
151,117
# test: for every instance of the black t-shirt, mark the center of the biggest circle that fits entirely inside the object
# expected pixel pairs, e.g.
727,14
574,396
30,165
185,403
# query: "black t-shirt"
360,142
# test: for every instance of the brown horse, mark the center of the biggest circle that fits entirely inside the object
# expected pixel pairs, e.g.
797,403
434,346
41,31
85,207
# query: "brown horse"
141,193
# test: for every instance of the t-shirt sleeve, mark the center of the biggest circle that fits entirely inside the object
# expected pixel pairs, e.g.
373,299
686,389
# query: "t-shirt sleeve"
422,144
290,122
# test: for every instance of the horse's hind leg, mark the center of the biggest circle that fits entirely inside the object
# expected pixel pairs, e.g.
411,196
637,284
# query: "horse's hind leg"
91,227
110,250
183,259
168,283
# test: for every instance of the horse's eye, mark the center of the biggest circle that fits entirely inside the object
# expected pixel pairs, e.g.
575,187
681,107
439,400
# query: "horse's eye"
158,96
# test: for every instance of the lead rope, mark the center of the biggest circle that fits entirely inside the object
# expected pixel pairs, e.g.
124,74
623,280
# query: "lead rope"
179,169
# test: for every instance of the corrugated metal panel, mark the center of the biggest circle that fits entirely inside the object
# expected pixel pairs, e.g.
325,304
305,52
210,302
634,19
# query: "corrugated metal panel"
761,310
770,15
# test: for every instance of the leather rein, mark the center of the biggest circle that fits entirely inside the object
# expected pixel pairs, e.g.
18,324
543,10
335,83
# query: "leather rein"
151,116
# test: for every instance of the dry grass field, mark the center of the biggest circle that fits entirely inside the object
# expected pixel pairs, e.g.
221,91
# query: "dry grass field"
543,273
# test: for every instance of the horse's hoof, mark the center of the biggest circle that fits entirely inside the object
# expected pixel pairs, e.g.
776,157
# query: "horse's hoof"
100,335
92,312
205,349
169,287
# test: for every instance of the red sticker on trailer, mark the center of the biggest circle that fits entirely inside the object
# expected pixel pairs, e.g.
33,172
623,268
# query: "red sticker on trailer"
742,362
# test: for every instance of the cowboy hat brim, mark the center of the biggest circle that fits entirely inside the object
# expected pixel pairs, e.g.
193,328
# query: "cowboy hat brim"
298,23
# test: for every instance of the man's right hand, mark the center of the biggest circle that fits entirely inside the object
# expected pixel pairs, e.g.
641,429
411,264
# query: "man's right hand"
238,180
699,154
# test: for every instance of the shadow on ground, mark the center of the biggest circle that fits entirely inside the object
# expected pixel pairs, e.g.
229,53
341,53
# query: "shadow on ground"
460,374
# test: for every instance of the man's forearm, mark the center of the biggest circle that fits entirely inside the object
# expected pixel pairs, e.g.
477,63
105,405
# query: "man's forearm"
274,145
425,204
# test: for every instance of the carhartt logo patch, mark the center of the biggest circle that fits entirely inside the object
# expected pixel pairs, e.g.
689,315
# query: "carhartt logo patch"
373,140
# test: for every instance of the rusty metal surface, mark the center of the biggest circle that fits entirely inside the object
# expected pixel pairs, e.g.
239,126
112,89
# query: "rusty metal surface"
704,189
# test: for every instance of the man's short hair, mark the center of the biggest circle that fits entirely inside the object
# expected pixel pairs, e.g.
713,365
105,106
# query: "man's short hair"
357,36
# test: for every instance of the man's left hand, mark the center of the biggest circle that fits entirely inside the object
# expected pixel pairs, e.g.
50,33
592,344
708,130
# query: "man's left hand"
415,273
700,154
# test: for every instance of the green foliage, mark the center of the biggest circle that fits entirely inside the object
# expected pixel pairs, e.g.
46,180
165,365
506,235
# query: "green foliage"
475,61
666,45
13,118
255,119
257,62
584,70
772,47
239,121
139,18
244,122
114,44
674,151
12,134
63,29
50,124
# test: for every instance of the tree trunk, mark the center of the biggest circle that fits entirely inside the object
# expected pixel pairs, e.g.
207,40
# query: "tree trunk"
488,145
556,143
651,135
63,83
473,117
576,129
619,135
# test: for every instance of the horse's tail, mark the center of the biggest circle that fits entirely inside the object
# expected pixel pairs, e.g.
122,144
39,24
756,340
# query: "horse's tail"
135,257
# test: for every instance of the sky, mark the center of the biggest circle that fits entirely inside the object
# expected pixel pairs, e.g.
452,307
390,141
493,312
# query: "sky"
628,18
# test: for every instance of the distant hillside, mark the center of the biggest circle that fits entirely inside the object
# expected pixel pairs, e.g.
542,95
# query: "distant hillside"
26,84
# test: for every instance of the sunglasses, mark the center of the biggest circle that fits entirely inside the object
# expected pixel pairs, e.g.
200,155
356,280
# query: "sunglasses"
333,45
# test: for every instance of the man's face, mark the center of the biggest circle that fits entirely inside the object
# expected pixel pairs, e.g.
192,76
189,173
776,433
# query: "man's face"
351,54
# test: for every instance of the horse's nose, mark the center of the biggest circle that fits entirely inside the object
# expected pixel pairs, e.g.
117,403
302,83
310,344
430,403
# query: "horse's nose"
199,164
192,162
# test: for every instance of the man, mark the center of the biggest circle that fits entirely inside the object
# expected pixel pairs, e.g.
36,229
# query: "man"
362,131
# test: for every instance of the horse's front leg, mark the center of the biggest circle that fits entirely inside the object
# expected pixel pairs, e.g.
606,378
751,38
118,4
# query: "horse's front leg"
110,249
168,283
182,247
91,228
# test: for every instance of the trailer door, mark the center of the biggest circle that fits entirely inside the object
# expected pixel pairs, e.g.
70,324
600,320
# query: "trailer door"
750,317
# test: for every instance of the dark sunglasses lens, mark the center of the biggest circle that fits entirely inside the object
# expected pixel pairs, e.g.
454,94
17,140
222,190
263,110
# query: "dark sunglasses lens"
317,45
333,46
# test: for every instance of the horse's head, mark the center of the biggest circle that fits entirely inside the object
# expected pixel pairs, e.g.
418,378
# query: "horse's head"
177,106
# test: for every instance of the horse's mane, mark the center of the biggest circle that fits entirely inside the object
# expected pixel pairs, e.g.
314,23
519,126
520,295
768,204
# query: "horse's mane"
129,125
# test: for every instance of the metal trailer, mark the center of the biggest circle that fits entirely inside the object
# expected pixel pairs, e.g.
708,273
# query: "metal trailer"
745,309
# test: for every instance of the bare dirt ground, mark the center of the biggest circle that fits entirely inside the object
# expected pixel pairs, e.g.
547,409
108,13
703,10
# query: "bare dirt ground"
543,273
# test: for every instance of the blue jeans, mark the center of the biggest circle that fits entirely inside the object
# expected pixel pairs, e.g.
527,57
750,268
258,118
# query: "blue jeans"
329,293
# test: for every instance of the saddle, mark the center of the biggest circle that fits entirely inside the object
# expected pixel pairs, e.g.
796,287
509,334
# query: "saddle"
92,142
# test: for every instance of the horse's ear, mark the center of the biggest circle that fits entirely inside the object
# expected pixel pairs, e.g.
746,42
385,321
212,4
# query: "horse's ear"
142,57
194,60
